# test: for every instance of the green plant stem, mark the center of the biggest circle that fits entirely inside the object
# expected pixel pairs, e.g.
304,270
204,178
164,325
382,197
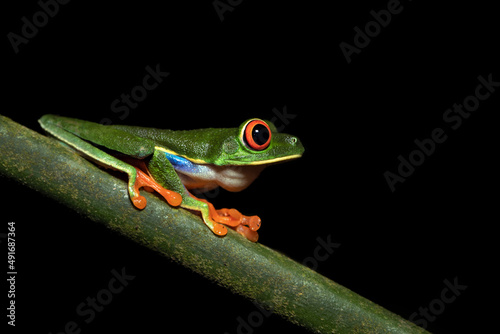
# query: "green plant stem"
253,270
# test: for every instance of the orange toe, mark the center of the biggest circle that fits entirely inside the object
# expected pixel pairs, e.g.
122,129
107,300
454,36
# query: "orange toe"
143,180
247,233
245,225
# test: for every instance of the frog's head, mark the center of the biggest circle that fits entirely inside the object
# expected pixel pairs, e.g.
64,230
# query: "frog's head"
258,142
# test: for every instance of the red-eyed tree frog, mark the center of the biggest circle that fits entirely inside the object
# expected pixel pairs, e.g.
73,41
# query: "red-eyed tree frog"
174,162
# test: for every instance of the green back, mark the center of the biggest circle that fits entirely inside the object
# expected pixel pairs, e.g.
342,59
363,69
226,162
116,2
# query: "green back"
200,144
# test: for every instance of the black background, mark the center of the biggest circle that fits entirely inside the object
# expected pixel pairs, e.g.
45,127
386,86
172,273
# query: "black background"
396,248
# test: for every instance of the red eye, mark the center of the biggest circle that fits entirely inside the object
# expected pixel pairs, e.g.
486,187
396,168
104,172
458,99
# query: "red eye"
257,135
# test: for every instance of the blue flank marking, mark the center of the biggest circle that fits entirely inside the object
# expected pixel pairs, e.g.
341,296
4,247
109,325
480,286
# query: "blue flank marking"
181,164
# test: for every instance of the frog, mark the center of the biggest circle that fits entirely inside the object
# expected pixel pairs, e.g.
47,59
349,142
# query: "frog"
181,164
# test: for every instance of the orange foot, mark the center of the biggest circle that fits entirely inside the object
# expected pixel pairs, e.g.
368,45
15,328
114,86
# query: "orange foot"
245,225
143,180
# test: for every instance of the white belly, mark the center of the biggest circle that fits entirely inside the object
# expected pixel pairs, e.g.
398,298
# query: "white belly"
231,178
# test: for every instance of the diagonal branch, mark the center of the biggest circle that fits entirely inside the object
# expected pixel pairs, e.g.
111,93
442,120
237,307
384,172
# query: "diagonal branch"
278,283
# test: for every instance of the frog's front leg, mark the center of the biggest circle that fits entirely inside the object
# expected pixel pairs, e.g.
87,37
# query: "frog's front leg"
217,220
245,225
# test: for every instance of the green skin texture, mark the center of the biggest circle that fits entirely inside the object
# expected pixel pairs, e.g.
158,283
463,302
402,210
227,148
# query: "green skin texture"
220,147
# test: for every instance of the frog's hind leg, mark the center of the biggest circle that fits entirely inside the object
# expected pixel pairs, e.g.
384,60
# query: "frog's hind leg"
143,180
71,132
103,135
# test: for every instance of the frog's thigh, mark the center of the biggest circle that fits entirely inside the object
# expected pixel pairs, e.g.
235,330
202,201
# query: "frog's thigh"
164,173
93,152
107,136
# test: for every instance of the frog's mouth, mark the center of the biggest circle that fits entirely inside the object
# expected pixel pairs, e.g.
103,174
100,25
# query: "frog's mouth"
262,162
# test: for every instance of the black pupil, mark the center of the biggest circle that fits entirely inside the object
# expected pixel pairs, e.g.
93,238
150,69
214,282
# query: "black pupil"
260,134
